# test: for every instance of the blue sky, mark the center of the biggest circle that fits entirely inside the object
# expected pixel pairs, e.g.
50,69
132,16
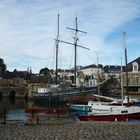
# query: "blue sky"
28,29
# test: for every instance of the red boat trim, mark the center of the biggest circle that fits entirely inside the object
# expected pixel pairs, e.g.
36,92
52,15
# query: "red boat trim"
46,110
124,117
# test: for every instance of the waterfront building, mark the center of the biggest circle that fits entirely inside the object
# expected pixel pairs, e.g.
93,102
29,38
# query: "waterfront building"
15,78
86,77
133,77
112,71
14,84
91,74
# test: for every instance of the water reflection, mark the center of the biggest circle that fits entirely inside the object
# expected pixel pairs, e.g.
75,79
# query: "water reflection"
15,108
12,101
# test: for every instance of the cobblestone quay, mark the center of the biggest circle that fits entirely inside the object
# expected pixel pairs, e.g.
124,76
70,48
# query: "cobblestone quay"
76,131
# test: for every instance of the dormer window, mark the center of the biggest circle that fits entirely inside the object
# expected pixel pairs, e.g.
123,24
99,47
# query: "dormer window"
135,66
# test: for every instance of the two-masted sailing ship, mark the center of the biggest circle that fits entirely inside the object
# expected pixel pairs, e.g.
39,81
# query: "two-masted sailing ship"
44,93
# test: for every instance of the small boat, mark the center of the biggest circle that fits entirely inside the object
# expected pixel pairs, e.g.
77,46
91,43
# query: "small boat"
92,104
96,104
81,107
109,113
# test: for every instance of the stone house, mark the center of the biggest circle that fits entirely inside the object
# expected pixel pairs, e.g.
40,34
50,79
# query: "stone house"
133,77
15,78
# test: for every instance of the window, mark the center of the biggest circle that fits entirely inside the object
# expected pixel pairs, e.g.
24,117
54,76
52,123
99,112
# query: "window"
17,82
133,89
124,111
135,79
135,68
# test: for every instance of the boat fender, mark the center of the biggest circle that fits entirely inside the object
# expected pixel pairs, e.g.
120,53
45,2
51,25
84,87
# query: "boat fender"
116,120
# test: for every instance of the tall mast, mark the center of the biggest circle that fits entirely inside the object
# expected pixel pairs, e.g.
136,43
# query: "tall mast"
98,74
57,44
121,82
75,47
126,67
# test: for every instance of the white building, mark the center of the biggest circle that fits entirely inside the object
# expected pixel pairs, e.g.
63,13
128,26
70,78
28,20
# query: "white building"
90,75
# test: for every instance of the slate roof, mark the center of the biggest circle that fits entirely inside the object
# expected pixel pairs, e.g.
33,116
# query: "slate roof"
136,60
130,66
112,68
92,66
16,74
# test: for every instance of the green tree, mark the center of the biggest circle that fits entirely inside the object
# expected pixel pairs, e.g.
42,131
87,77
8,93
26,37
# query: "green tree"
2,66
46,73
111,83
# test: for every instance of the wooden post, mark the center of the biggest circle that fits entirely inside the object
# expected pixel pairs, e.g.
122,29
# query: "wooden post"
4,116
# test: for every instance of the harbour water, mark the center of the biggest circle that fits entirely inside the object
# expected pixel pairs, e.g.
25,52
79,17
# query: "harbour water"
15,109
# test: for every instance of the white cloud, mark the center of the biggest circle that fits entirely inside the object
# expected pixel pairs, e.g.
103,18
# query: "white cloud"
28,29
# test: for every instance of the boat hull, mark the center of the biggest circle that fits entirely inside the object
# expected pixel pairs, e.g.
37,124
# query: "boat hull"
82,108
124,117
63,96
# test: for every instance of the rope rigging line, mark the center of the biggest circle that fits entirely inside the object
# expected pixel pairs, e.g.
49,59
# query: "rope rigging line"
83,51
52,57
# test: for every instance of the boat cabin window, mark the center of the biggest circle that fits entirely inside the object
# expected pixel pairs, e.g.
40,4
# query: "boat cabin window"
124,111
